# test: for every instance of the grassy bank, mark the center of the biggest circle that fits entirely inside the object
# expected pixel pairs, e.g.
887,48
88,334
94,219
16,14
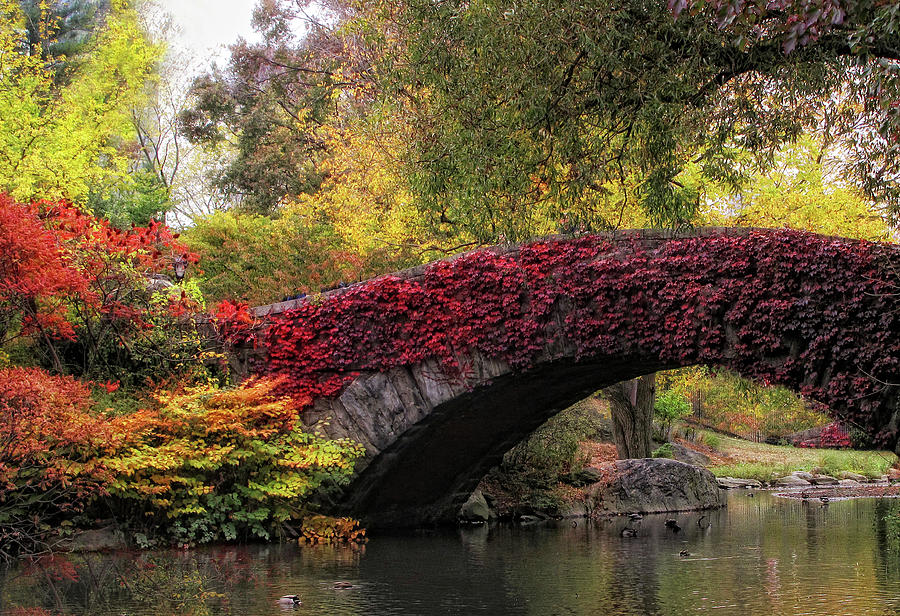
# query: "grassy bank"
748,460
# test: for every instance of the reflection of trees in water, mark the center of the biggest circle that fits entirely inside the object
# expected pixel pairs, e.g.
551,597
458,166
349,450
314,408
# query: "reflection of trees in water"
635,585
887,540
438,573
231,580
763,555
161,582
591,569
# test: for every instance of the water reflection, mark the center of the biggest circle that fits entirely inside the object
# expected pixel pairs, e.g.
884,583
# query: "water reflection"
763,555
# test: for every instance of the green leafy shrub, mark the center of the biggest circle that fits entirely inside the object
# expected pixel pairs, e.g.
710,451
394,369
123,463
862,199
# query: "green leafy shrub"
553,449
859,439
669,407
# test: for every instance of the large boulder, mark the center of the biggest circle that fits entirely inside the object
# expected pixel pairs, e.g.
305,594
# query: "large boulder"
654,485
475,510
99,540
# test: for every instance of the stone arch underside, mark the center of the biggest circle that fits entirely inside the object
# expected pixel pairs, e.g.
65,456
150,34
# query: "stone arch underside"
438,399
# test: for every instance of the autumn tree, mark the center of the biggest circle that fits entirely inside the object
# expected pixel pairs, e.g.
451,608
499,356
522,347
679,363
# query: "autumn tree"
260,260
59,137
578,107
266,105
88,294
37,280
802,189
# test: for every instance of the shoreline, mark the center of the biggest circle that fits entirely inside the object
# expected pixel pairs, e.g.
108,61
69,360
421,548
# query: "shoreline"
841,492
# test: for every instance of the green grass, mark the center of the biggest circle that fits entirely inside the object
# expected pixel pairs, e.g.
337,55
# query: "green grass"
711,439
765,462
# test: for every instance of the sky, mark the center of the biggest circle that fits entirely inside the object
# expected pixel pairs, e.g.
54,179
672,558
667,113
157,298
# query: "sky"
207,26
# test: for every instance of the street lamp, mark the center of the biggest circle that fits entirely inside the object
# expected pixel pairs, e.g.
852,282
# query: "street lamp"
180,264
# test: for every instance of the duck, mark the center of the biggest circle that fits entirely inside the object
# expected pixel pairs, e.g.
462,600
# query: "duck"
342,585
635,516
629,532
673,524
700,522
684,553
290,600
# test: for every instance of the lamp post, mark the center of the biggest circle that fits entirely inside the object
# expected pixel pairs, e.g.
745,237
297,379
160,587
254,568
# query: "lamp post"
180,265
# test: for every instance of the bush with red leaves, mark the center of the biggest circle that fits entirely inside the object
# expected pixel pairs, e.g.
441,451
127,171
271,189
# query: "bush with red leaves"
49,444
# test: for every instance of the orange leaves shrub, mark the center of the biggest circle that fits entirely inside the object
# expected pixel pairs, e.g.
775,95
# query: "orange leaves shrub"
216,464
202,464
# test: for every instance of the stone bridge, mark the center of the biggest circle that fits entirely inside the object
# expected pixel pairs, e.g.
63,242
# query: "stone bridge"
441,369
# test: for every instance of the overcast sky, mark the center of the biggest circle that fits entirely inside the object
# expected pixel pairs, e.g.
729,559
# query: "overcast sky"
207,26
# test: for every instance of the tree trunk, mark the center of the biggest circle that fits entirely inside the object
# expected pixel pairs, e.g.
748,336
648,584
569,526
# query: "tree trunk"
697,403
631,406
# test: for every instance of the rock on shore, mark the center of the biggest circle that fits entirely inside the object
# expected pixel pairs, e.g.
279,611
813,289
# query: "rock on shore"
653,485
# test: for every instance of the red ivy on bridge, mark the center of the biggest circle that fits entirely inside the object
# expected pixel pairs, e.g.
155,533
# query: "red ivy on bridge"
817,314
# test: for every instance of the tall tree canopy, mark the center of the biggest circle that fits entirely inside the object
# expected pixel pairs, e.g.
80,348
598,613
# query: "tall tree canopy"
268,103
533,109
61,137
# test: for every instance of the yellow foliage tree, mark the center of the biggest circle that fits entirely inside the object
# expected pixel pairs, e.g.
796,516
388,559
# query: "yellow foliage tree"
367,199
60,142
799,194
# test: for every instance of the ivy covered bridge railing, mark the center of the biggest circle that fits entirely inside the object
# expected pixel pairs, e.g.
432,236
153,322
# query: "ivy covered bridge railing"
438,370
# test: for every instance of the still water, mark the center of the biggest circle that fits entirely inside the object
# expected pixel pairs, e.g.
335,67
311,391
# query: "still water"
763,555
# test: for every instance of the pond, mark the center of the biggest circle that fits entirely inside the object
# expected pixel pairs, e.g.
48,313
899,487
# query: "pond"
761,555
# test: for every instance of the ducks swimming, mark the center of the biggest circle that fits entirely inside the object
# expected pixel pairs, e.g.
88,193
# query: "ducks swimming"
289,600
629,532
673,524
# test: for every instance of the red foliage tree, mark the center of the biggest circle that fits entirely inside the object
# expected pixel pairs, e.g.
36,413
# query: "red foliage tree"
48,449
68,276
37,277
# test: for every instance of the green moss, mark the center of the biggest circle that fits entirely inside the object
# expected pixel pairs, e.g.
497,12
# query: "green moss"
663,451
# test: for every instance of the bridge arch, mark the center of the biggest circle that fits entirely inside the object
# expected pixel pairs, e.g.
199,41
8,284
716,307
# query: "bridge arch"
440,369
